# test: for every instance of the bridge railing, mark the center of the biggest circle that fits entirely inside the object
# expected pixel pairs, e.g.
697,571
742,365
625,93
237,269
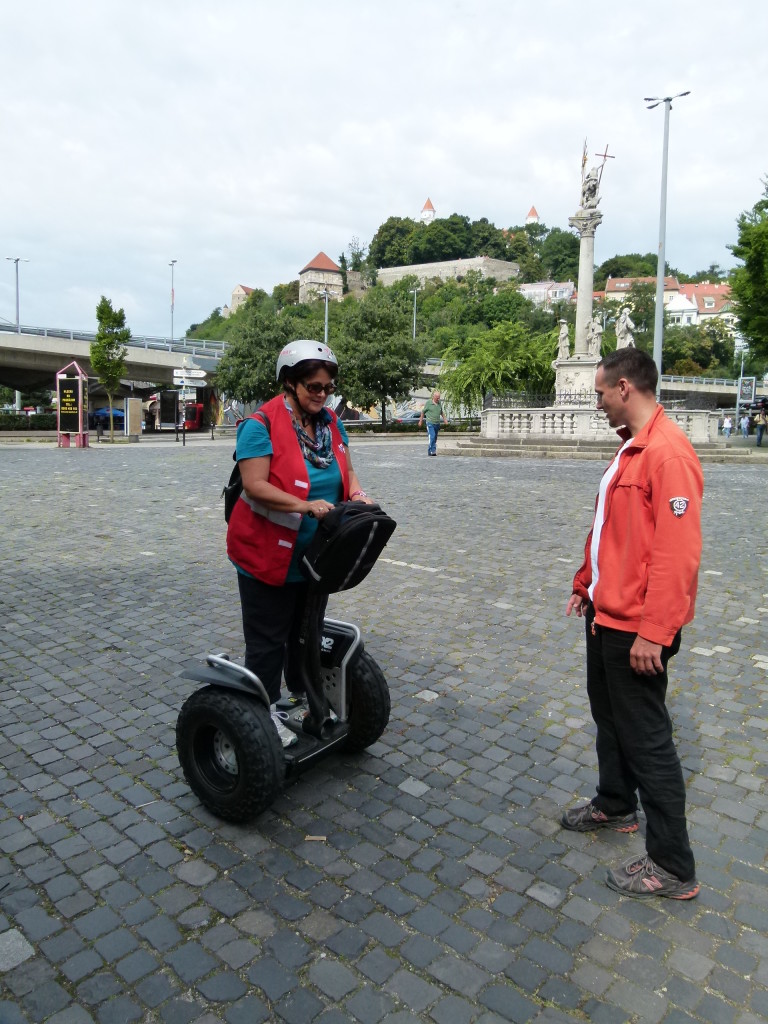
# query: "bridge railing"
720,382
190,346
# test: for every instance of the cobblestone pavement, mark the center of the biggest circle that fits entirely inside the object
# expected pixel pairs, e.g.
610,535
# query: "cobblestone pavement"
444,890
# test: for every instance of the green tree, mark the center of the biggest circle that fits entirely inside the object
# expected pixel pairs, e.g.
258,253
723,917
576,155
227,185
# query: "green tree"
390,246
378,359
506,358
709,347
246,370
521,249
357,254
286,294
714,273
487,240
343,266
630,265
559,253
506,303
750,280
108,352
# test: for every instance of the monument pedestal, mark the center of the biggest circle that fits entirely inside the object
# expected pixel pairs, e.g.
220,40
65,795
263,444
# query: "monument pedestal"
575,380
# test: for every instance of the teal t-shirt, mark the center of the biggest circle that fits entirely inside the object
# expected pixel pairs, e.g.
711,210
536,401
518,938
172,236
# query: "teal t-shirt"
253,442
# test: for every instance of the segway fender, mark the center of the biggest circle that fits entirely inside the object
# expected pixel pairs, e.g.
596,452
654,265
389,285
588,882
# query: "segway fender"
220,671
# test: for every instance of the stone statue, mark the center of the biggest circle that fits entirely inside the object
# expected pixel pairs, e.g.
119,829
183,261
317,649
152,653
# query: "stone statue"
624,328
595,338
589,196
563,342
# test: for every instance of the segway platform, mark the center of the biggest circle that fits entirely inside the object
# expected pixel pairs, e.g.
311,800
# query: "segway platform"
228,747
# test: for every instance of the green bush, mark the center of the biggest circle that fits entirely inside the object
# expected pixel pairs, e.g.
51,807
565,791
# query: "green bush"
43,421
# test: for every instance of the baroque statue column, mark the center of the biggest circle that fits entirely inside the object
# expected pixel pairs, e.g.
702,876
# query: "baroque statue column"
575,375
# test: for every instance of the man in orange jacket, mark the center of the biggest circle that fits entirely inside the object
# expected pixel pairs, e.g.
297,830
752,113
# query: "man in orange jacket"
636,589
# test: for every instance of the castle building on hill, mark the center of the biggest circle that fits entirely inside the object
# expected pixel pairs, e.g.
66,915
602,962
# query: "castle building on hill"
239,294
320,273
427,214
447,270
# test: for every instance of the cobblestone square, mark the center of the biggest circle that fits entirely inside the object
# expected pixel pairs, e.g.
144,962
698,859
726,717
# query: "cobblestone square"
444,889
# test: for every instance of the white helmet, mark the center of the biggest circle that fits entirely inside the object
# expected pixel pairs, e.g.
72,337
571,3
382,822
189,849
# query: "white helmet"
302,350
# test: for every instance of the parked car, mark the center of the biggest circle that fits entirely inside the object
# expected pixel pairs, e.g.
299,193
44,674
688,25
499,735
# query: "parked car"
409,416
100,418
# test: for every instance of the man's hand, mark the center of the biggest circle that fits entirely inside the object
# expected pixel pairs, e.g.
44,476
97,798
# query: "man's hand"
576,604
645,657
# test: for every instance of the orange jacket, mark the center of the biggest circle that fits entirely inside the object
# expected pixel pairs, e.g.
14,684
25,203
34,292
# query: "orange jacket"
650,545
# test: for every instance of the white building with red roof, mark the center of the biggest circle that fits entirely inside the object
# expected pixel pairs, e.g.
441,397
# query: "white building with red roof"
427,214
545,293
685,305
239,295
617,288
711,300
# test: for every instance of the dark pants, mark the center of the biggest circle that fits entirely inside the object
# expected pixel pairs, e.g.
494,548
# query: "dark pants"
271,626
635,749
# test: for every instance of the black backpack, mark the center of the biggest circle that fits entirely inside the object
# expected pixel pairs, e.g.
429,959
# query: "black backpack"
234,486
345,547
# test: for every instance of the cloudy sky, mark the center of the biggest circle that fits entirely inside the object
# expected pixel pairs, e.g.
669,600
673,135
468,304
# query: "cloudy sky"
243,136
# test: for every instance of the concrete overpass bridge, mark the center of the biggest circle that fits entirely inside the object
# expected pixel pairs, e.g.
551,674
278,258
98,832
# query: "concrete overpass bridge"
30,357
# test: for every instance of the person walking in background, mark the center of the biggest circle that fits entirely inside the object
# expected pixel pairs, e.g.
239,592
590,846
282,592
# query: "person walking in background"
636,589
744,425
761,422
433,413
727,426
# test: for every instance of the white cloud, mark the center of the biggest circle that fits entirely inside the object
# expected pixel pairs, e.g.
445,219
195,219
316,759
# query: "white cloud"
242,140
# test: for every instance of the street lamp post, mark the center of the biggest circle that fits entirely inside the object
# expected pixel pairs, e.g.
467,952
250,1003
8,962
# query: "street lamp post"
413,292
325,294
173,297
658,323
17,260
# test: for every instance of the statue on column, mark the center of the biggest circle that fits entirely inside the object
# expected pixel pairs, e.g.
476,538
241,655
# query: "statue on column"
595,338
624,328
563,341
589,187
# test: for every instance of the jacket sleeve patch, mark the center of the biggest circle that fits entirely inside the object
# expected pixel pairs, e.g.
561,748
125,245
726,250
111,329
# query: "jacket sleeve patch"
679,506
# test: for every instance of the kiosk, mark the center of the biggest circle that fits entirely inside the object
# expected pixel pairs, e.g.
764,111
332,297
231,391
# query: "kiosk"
72,406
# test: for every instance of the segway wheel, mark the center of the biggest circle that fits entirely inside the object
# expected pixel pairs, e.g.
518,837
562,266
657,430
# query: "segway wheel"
230,753
369,703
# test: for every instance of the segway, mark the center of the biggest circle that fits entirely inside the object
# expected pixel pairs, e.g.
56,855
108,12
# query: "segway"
227,744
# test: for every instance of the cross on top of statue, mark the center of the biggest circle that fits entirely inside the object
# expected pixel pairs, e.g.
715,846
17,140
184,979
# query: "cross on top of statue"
606,156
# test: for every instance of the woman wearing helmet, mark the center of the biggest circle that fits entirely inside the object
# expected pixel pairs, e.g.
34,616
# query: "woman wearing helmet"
295,465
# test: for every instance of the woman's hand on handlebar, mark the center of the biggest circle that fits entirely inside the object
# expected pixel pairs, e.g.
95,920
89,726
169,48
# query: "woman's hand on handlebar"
318,509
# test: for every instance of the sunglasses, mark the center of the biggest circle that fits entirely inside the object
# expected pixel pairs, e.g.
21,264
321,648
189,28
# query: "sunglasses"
315,388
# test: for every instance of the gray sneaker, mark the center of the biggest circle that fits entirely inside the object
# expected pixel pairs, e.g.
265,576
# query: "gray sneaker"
287,738
587,818
640,877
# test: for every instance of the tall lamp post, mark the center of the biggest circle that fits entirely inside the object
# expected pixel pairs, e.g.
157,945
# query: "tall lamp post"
325,294
173,297
658,323
17,260
413,292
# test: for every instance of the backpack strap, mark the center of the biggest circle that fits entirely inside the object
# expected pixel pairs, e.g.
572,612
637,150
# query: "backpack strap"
262,417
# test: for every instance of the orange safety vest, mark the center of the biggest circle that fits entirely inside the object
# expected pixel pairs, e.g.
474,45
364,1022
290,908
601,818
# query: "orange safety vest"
261,541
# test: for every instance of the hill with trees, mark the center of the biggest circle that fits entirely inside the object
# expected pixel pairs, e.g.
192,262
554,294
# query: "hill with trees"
490,337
